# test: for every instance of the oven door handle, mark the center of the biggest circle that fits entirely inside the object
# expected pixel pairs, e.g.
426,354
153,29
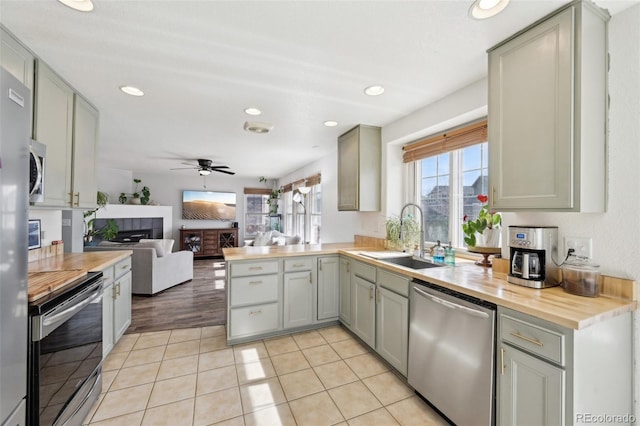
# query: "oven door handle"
452,305
43,324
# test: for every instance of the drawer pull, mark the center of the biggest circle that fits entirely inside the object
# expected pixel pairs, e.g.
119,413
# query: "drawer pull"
259,311
298,265
528,339
255,282
255,268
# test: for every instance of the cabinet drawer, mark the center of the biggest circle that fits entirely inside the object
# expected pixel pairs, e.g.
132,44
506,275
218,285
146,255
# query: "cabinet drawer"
365,271
534,338
107,276
396,283
298,264
122,267
254,268
254,319
254,289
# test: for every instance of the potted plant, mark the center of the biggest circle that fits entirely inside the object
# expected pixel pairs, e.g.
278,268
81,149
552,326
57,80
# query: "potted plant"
274,196
485,230
108,231
396,228
138,197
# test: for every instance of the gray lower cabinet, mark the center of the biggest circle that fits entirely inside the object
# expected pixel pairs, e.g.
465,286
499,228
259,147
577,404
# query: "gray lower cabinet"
552,375
392,327
345,291
328,287
116,303
363,319
531,390
298,299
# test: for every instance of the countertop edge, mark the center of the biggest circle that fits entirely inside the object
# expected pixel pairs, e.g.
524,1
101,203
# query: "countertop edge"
90,261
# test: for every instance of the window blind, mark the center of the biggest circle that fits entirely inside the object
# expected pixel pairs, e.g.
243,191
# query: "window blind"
461,137
257,191
311,180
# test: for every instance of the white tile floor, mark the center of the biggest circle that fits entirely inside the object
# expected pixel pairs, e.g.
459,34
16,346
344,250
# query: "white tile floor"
191,377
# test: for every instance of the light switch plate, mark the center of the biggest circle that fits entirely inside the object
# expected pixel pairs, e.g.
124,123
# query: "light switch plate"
583,246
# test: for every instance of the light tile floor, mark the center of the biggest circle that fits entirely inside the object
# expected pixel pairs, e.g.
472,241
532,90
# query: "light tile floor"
191,377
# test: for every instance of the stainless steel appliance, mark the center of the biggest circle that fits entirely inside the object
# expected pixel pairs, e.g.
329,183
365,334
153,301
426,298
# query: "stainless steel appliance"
14,204
37,160
532,249
65,354
451,353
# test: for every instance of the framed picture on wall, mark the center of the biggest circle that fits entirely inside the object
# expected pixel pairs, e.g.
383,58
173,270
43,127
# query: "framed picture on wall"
34,234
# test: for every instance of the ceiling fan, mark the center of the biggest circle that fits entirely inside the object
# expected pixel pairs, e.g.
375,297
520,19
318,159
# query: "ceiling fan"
205,167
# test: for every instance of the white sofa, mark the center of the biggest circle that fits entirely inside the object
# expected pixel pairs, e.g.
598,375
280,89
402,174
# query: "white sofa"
154,266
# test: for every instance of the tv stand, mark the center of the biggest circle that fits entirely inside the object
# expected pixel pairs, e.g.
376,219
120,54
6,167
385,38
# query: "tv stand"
208,242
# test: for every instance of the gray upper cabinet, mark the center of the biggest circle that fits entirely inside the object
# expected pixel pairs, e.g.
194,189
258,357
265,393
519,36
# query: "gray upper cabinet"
359,169
53,126
68,125
547,114
18,60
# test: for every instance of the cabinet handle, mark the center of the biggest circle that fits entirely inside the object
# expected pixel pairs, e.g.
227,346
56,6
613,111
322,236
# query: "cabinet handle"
123,267
70,198
77,195
528,339
348,267
320,264
255,268
255,282
378,295
118,289
310,281
114,293
259,311
370,292
501,361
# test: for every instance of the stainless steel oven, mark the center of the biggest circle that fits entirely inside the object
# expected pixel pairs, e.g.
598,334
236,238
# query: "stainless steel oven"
65,353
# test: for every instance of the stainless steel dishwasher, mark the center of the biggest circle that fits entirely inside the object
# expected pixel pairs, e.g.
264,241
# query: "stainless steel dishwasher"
451,353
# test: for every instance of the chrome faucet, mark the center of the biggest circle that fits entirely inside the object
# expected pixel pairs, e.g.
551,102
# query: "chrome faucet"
421,252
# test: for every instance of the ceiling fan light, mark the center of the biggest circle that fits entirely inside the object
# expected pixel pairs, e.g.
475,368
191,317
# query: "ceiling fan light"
483,9
204,172
257,127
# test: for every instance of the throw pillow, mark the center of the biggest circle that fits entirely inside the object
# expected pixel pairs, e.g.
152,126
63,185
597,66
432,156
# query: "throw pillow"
262,239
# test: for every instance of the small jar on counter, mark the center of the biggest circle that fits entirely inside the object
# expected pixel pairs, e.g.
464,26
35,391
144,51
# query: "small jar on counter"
581,277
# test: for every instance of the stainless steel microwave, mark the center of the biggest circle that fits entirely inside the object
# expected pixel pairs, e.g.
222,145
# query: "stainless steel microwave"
37,163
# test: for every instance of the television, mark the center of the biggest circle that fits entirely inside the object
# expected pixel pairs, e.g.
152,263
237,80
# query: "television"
208,205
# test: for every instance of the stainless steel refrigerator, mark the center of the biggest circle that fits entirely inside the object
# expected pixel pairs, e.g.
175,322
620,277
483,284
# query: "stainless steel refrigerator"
14,169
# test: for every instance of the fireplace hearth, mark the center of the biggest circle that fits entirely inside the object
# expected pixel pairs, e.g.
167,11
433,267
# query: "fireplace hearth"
134,229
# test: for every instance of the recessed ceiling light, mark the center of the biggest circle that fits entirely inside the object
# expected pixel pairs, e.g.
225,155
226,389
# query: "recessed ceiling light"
374,90
81,5
331,123
483,9
133,91
252,111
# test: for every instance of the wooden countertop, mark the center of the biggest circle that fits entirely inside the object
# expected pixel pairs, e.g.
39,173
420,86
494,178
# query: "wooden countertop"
551,304
63,269
249,252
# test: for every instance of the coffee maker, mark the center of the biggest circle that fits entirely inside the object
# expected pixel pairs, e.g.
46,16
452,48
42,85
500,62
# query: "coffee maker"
532,250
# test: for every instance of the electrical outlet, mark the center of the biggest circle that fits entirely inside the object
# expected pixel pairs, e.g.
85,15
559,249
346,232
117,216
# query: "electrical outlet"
581,245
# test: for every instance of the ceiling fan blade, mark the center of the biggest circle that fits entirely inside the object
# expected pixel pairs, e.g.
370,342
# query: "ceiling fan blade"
224,171
218,167
186,168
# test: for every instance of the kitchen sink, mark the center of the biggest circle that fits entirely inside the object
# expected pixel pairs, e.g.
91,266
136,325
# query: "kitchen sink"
411,262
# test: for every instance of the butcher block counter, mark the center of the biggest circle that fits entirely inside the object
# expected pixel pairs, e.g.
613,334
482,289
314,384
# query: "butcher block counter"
53,273
551,304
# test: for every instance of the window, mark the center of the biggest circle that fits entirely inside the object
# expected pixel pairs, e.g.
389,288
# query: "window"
448,186
303,213
451,171
256,213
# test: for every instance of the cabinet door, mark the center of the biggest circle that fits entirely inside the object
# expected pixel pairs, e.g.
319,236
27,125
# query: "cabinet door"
227,239
122,305
85,138
531,162
364,310
348,170
192,241
328,287
392,328
53,127
532,392
16,59
210,242
345,291
107,320
298,299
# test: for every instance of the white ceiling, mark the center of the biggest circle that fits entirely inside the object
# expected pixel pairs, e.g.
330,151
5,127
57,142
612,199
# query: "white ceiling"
201,63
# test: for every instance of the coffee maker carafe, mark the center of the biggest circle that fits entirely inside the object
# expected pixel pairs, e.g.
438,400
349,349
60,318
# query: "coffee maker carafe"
532,249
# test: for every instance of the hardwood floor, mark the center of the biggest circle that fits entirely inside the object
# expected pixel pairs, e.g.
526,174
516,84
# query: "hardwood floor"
200,302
